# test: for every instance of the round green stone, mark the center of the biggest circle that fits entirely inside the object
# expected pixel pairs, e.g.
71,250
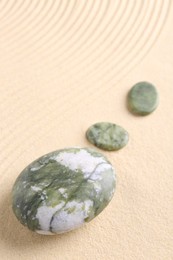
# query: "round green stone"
107,136
142,98
62,190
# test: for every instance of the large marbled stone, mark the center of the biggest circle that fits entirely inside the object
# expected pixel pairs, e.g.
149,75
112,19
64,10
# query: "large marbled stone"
107,136
142,98
62,190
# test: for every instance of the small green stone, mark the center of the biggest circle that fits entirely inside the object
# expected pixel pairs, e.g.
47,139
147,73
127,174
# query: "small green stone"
107,136
142,98
62,190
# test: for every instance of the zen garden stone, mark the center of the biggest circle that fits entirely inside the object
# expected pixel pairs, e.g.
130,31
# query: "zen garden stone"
62,190
142,98
107,136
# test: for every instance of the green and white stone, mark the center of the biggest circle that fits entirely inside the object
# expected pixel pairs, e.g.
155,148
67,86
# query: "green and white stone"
62,190
107,136
143,98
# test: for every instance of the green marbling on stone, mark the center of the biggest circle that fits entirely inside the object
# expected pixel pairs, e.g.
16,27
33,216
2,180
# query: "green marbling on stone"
61,190
107,136
142,98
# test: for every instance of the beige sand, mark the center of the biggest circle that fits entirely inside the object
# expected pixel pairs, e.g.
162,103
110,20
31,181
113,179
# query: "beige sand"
65,65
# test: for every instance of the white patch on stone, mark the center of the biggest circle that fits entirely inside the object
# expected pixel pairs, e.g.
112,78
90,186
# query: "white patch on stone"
64,221
62,190
97,188
42,232
34,188
96,175
65,195
33,169
81,160
44,215
28,212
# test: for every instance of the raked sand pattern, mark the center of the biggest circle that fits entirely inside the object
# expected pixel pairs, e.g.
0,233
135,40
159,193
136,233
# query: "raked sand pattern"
66,64
99,31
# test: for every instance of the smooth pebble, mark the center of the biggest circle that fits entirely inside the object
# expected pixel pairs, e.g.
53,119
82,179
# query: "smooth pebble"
62,190
107,136
142,98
